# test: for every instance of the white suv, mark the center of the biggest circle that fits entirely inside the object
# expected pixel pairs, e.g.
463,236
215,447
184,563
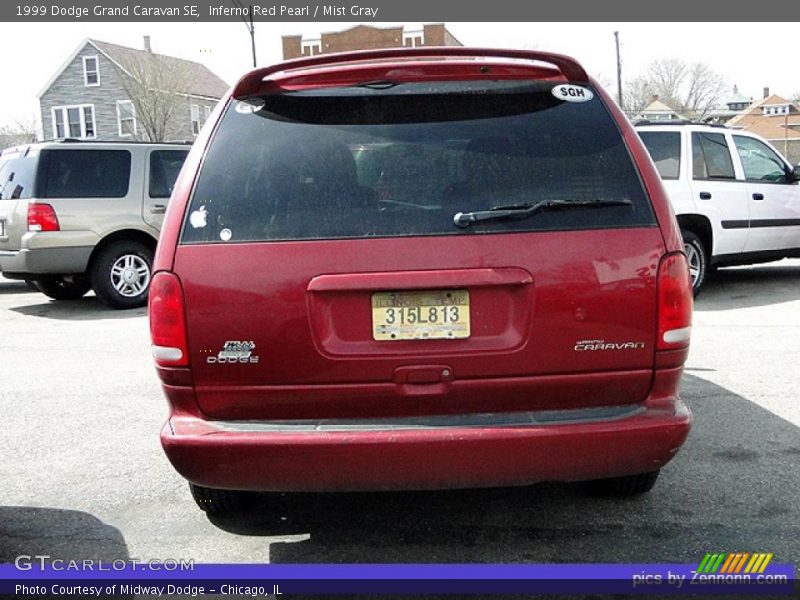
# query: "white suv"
736,198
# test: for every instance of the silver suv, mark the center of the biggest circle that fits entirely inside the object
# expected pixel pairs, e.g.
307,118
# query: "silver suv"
76,216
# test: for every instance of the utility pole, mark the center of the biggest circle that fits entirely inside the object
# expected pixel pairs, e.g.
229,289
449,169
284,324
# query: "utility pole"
619,71
252,36
248,22
786,132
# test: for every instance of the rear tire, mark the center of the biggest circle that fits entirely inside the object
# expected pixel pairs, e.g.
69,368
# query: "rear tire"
697,257
631,485
216,502
61,289
121,274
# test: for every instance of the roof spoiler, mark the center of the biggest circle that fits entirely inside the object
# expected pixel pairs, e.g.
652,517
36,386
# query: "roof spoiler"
252,83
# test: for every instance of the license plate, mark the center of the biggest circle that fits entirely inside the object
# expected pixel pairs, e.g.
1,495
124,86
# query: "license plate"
424,315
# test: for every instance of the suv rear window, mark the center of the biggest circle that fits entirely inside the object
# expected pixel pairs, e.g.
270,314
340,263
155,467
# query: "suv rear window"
362,162
665,150
16,175
83,173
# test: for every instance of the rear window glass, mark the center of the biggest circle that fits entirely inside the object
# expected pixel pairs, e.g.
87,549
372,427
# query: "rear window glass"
83,174
164,168
402,161
665,150
711,157
17,175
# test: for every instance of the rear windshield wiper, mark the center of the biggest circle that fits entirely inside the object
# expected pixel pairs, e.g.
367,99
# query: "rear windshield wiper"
523,211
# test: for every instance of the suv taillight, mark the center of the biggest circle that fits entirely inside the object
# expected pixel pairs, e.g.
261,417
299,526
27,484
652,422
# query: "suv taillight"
168,321
674,302
42,217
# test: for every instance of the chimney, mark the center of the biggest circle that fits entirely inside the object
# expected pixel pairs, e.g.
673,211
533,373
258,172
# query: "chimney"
147,43
653,98
766,92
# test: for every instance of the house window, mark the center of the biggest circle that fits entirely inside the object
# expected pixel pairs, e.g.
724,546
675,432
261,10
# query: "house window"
126,118
195,111
91,71
74,121
311,47
206,113
412,39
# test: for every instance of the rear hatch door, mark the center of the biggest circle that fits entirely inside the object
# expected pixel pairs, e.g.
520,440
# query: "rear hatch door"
325,276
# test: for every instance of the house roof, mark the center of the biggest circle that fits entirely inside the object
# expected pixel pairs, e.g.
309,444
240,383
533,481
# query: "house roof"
770,127
658,106
737,97
755,107
199,82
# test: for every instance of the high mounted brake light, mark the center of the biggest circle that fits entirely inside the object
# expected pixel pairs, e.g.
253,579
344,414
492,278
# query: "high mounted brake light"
259,82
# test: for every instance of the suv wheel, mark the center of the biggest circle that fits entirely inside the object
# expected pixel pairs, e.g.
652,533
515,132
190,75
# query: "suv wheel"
121,274
697,257
61,289
215,502
631,485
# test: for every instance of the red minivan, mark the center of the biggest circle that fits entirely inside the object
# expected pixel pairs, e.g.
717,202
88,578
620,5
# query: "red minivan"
416,269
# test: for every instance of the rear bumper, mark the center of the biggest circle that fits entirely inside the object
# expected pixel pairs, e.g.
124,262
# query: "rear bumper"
28,262
512,449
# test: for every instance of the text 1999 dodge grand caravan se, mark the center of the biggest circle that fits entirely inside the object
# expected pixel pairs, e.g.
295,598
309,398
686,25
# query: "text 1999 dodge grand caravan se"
415,269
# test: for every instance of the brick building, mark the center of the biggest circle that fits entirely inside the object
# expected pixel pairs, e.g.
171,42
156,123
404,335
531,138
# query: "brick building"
364,37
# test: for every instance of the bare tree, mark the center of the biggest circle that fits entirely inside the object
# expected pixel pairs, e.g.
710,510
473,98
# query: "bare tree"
691,88
637,93
156,86
20,132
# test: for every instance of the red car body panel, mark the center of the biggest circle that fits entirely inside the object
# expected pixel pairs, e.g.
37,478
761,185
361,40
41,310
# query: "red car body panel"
528,320
209,455
535,300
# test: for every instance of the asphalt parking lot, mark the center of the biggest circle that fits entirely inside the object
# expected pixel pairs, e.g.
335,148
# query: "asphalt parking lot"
83,474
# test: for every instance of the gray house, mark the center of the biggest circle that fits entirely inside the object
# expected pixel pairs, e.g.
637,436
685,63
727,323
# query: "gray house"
109,92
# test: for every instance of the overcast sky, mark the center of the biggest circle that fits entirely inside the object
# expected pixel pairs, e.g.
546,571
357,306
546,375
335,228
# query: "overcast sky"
753,56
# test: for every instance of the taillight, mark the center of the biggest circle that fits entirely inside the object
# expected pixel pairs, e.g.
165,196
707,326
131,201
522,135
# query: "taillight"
42,217
674,302
168,321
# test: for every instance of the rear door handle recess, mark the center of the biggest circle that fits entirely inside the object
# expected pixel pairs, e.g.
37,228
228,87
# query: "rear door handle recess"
158,209
758,196
705,195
